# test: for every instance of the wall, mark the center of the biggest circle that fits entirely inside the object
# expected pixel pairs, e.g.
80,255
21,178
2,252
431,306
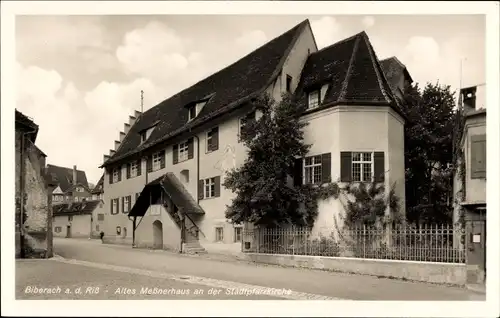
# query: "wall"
37,211
80,225
145,233
441,273
97,225
344,128
475,188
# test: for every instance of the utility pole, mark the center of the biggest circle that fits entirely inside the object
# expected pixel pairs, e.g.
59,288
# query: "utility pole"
142,101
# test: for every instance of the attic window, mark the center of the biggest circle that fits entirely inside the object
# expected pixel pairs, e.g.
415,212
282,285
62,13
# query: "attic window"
313,99
146,133
195,109
192,112
288,83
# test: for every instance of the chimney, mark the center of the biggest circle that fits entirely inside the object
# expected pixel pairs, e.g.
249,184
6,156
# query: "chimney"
122,136
137,114
105,158
469,99
74,175
111,152
117,144
126,128
131,120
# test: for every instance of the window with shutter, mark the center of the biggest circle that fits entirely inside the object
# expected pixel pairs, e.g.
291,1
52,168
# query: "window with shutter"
213,139
478,156
345,166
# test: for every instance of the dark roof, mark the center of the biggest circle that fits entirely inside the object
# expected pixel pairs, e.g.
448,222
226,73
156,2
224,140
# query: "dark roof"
476,112
173,188
86,207
26,124
99,187
227,89
63,177
353,72
393,67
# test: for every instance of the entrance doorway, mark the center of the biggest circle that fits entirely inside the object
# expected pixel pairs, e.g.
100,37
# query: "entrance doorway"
157,234
68,231
476,246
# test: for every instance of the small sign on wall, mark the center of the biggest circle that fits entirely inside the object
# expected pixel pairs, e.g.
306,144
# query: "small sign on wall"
476,238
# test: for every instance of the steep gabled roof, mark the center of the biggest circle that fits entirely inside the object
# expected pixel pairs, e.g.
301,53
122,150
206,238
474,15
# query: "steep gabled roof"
99,186
25,123
393,67
228,88
353,74
63,177
86,207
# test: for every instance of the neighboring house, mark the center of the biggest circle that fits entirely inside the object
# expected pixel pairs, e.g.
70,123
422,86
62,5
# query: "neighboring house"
165,174
470,184
98,190
33,206
78,219
72,185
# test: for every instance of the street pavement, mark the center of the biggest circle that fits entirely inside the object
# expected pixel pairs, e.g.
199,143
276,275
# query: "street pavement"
106,268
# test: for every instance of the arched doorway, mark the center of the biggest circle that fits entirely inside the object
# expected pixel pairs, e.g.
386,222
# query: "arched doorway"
157,234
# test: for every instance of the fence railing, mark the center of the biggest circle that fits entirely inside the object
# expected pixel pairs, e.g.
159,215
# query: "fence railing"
403,242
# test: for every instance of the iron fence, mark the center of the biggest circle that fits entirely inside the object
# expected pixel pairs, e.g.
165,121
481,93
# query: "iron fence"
436,243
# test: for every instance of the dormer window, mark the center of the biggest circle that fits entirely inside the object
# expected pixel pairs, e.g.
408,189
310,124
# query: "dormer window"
192,112
314,99
146,133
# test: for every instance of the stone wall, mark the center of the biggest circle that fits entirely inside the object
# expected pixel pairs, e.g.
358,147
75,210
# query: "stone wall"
37,212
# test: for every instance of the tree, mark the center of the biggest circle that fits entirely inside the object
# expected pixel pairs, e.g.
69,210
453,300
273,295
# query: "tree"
263,188
429,153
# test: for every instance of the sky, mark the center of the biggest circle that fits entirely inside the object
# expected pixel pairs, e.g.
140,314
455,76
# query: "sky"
80,77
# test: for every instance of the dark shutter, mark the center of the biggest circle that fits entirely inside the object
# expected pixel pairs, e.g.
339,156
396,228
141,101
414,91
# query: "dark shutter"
149,164
379,169
215,139
110,176
201,194
326,167
345,166
111,206
175,157
217,186
162,159
123,204
298,167
478,156
190,148
119,173
128,170
139,167
129,203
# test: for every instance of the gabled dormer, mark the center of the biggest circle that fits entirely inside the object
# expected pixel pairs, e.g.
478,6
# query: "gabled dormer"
194,108
146,133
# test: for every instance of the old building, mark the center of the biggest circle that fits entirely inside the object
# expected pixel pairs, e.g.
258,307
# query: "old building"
33,206
78,219
163,180
72,185
98,190
470,181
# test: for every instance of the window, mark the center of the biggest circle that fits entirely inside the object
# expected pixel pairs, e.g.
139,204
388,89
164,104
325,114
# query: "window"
212,139
94,196
79,189
133,169
157,161
100,217
114,206
288,83
57,229
219,234
246,121
97,227
478,156
183,151
314,99
126,204
116,175
76,199
209,188
191,113
143,136
362,166
237,234
70,218
312,170
100,196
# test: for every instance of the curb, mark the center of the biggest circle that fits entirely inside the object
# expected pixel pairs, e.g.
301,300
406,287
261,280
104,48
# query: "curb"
477,288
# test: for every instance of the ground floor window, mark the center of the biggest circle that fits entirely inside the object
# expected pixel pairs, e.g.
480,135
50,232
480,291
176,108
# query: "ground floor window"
97,227
57,229
219,234
237,234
